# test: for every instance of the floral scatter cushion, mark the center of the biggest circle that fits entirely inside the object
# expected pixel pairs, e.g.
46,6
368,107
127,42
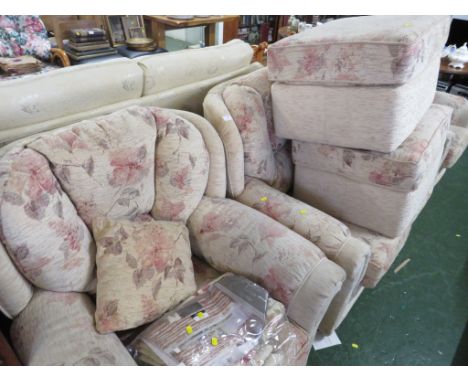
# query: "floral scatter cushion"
23,35
182,167
47,240
105,165
143,269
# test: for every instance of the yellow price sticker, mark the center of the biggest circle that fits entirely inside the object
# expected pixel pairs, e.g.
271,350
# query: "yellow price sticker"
303,211
189,329
263,199
214,341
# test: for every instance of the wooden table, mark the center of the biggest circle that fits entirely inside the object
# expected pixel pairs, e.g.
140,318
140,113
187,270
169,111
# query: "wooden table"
452,72
157,26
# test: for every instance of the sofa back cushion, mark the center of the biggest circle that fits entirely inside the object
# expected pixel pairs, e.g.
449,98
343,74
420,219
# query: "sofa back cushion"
45,237
182,167
66,91
105,165
248,100
170,70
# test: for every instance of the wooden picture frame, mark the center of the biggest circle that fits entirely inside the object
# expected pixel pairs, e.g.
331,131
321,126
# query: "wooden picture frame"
116,30
133,26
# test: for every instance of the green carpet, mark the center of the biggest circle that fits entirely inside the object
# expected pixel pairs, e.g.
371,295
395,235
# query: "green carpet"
417,316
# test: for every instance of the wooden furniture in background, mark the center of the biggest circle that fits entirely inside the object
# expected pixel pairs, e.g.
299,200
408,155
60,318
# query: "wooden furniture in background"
260,52
452,72
156,27
7,355
284,32
231,29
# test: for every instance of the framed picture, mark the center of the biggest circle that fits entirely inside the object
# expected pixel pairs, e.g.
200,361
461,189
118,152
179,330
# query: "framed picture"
133,26
116,30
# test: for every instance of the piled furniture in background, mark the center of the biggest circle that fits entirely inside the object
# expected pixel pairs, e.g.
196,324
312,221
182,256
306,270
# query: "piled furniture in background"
87,43
356,96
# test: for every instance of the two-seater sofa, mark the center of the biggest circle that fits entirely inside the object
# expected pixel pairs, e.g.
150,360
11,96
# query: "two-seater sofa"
180,80
137,162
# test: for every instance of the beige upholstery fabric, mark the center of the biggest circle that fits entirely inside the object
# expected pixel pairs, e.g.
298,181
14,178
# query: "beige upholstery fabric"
16,291
170,70
456,146
376,118
459,105
58,93
403,169
182,166
216,186
47,240
384,252
291,268
105,165
383,209
327,233
371,50
143,269
186,97
58,329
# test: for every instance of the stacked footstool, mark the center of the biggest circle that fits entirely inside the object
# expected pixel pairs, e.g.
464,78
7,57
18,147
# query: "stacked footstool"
356,97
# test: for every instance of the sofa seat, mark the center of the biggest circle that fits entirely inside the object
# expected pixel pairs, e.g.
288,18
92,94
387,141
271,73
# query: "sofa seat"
375,118
382,192
58,329
375,50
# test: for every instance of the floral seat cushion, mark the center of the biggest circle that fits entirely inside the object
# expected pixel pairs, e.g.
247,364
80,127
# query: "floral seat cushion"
23,35
402,169
367,50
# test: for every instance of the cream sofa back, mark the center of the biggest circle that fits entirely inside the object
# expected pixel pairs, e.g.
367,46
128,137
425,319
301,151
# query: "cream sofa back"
51,100
35,100
168,71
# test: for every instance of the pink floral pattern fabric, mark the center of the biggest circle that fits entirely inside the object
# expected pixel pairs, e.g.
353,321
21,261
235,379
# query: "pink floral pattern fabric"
143,269
105,165
182,167
360,50
402,169
234,238
321,229
45,237
23,35
58,329
384,251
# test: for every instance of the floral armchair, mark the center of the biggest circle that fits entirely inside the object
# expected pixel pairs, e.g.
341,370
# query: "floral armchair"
27,35
137,163
259,175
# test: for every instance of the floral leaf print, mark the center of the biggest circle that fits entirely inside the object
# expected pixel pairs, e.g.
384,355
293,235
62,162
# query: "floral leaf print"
130,166
179,270
156,289
348,156
162,168
181,179
63,173
72,234
35,209
110,308
182,127
131,261
112,246
193,160
21,252
13,198
58,209
171,210
89,166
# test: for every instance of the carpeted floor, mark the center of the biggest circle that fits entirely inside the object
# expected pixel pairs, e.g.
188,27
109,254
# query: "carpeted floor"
417,316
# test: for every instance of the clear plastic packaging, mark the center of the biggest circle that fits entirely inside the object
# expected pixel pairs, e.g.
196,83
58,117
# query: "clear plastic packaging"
231,321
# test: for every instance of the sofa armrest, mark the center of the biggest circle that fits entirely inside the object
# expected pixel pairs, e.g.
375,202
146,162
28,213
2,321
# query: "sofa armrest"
234,238
326,232
59,56
458,104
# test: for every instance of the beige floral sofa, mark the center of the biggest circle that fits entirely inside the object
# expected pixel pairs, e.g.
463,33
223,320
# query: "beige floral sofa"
260,173
139,164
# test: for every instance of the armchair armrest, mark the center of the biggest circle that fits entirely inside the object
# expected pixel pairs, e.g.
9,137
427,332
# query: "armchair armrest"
59,56
235,238
326,232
